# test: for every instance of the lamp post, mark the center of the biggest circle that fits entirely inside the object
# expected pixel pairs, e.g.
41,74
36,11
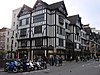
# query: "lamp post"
11,45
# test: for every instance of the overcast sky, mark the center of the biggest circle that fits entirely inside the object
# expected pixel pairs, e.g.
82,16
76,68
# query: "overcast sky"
89,10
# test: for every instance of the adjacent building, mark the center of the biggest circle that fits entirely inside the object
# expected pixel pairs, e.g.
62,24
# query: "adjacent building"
83,42
2,38
96,39
8,40
11,36
75,27
14,27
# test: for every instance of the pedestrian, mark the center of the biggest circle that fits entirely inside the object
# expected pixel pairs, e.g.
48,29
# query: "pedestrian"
55,60
52,60
24,60
76,58
60,61
81,58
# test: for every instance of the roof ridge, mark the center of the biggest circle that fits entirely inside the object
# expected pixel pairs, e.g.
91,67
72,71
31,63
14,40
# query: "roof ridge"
74,15
56,2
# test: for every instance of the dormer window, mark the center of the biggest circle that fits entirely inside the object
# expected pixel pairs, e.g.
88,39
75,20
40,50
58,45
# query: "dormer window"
77,30
61,20
66,25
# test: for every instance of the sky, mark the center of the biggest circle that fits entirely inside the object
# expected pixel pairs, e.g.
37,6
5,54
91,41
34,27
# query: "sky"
89,10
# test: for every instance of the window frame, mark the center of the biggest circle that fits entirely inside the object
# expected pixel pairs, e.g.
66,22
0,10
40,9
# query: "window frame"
61,42
38,42
61,20
37,28
38,18
23,43
23,32
27,21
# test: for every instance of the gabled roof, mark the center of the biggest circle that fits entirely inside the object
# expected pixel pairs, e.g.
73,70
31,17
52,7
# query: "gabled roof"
73,19
51,6
43,3
88,30
27,8
55,5
97,36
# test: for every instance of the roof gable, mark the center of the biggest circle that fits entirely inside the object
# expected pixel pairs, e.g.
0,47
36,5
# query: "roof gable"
39,5
60,6
55,5
75,19
88,30
24,10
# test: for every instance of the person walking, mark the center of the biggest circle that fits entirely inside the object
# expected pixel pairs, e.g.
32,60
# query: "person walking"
76,58
55,60
60,61
52,61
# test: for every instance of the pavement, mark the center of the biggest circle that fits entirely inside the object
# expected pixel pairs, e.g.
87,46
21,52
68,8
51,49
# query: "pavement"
64,62
1,69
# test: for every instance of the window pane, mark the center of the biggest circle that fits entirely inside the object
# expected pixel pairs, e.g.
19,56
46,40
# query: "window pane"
38,42
24,22
23,32
66,25
61,42
61,21
57,29
20,23
23,43
27,21
38,18
60,31
37,29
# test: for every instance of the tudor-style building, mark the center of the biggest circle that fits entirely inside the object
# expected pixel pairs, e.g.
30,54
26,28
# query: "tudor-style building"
83,42
42,29
97,40
75,35
88,40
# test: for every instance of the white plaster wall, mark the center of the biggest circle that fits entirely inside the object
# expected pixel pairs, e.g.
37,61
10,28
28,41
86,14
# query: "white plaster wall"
8,36
51,31
51,41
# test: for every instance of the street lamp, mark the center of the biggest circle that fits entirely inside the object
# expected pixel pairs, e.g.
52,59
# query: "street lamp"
11,45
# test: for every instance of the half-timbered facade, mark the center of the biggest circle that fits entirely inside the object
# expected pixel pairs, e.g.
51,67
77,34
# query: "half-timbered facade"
83,42
42,29
75,35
